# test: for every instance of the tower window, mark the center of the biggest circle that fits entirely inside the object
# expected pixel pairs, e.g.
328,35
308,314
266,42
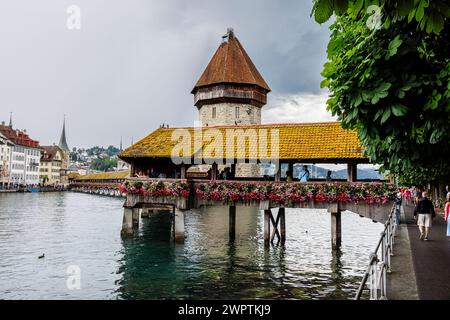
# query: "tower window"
236,112
213,112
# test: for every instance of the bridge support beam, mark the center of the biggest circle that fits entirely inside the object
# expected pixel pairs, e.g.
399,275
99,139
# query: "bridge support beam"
214,170
282,217
178,226
352,169
291,170
232,223
127,223
278,226
336,232
135,217
267,215
278,173
183,171
145,212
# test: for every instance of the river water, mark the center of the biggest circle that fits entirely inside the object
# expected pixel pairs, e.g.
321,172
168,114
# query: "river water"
82,232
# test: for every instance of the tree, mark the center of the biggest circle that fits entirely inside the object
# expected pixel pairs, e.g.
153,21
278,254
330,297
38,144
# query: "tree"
429,15
391,81
44,180
105,164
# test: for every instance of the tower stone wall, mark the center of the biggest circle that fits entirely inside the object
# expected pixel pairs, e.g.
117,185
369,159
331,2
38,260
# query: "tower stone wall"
229,114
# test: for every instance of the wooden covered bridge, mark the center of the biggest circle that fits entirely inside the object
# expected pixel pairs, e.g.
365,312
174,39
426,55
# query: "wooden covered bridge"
160,165
104,183
229,147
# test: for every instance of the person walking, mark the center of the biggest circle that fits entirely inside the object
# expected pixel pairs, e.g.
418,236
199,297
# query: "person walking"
424,213
226,174
447,214
304,174
328,178
417,195
398,204
407,194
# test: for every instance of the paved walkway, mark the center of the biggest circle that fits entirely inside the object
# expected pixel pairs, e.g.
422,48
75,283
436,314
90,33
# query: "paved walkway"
431,259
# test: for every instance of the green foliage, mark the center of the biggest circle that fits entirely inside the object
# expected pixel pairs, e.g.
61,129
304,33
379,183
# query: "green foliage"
104,164
421,176
393,84
323,9
103,157
428,15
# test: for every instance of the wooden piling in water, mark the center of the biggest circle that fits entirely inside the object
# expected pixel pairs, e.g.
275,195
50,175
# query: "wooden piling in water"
178,226
282,215
135,217
267,214
336,229
127,223
232,223
145,212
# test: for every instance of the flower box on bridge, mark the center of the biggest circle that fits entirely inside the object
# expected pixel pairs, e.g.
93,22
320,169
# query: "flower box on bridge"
294,194
371,200
143,191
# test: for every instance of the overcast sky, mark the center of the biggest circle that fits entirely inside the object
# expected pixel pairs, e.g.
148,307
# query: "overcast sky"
133,63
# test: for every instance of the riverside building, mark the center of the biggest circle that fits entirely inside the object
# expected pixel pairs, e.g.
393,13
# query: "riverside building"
5,160
25,156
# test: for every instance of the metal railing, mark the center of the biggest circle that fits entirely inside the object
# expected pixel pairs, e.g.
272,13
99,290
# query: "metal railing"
379,263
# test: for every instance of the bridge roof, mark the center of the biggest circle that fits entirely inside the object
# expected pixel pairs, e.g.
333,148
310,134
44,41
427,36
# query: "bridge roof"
314,142
115,175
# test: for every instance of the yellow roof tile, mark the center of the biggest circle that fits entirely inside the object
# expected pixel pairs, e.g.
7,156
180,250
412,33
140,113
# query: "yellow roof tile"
305,141
115,175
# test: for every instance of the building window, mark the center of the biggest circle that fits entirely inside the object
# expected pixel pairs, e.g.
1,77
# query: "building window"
213,112
236,112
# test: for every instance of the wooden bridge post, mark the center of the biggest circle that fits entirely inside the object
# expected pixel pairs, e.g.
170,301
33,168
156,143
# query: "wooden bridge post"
232,222
278,173
145,212
178,226
336,232
282,214
127,224
291,170
267,214
183,171
233,170
214,169
135,217
352,169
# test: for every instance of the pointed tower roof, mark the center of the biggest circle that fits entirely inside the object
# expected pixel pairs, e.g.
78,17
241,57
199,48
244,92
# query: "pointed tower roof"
231,64
62,141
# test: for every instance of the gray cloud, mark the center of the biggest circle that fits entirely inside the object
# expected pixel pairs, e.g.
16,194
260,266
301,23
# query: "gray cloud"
133,63
298,107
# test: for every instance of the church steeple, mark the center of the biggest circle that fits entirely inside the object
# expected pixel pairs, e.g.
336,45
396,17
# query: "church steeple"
62,141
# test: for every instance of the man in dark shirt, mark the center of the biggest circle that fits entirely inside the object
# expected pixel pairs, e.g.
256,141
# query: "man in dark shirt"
424,213
398,205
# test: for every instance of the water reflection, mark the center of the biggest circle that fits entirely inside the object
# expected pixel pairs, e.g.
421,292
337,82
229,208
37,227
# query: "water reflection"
209,266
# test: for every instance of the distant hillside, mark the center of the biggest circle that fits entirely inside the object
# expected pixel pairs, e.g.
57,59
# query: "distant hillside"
321,173
362,174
